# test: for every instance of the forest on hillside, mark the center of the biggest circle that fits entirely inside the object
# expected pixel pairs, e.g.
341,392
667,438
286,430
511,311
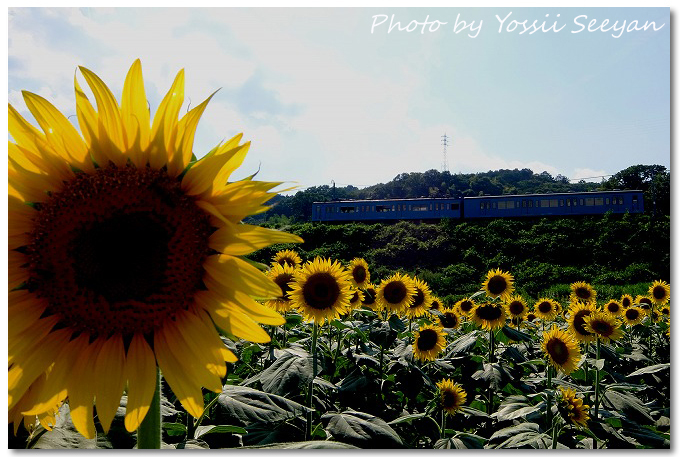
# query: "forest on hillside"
654,180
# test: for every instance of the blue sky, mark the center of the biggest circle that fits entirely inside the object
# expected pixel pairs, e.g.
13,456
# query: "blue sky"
322,98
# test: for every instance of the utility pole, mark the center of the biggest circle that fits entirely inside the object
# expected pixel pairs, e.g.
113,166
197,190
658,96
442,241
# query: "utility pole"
445,143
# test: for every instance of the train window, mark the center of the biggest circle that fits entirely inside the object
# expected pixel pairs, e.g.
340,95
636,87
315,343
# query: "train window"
419,207
430,206
531,203
581,201
347,209
552,203
590,201
568,201
599,202
392,207
481,205
495,205
502,205
538,203
606,201
635,199
524,203
621,201
561,202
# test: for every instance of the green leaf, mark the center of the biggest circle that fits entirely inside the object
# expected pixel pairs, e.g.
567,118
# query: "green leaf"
174,429
396,323
202,430
289,374
65,436
627,404
250,406
361,429
408,418
461,441
305,445
510,411
463,344
516,335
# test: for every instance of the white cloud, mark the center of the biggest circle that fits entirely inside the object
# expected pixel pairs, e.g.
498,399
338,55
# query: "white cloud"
583,173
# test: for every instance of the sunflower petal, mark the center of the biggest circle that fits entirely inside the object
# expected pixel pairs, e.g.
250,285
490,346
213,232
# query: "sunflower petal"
81,389
109,373
243,239
135,114
236,274
165,121
141,379
210,173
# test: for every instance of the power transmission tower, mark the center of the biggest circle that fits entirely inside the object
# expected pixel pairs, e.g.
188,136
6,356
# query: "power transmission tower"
445,143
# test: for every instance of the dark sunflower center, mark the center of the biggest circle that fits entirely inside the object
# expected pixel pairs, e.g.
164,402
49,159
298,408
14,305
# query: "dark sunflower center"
466,306
602,328
488,312
613,307
582,293
118,250
282,281
531,317
355,297
369,296
545,307
625,302
283,261
395,292
427,339
435,304
497,285
516,308
659,292
449,399
449,320
665,311
558,350
359,274
321,291
645,303
580,323
419,299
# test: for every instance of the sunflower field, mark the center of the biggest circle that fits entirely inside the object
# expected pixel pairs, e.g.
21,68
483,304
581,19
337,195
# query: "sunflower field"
136,317
369,363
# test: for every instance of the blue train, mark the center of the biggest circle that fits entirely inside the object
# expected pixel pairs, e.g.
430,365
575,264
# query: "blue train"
536,205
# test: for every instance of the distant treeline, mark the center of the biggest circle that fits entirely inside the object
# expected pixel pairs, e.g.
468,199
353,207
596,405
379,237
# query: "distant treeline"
654,180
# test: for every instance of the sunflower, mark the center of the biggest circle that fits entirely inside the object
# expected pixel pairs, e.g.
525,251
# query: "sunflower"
428,342
396,293
125,255
626,301
660,292
577,324
359,274
356,299
287,257
666,311
421,301
516,308
282,275
582,292
321,291
464,307
643,302
613,308
531,317
572,408
449,318
633,316
498,284
436,303
451,395
561,349
369,298
603,325
489,316
546,309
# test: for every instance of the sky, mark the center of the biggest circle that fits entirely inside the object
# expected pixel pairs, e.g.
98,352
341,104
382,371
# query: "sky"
333,95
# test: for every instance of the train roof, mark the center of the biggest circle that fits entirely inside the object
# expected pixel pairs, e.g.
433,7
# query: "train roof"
556,194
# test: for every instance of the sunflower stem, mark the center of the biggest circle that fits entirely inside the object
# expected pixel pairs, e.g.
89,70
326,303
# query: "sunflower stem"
149,431
443,424
548,394
310,392
597,381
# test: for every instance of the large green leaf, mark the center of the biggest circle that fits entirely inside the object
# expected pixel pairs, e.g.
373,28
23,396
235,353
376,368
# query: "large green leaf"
461,441
361,429
493,373
289,374
516,335
249,406
65,436
628,404
305,445
463,344
651,369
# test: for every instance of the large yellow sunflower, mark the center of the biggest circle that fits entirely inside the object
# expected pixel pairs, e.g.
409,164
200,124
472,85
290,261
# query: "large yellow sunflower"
428,342
516,307
287,257
604,326
436,303
660,292
498,284
282,275
451,396
577,324
489,316
561,349
449,318
464,307
359,274
396,293
644,303
421,301
125,254
583,292
633,316
356,299
572,408
321,291
369,298
546,309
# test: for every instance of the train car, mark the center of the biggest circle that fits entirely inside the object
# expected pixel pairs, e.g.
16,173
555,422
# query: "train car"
528,205
381,210
558,204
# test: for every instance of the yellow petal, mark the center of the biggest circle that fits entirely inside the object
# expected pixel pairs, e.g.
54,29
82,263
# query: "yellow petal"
89,125
185,139
141,379
243,239
165,121
135,114
233,321
233,273
81,389
109,370
210,174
